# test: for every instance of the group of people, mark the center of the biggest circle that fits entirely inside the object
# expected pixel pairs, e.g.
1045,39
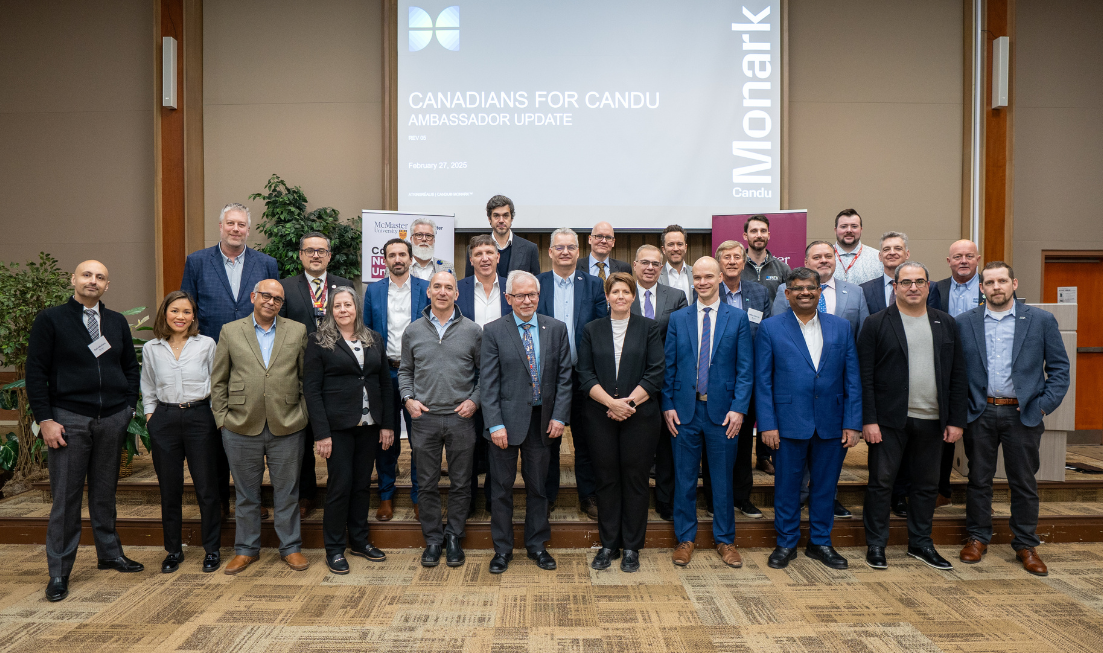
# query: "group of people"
657,366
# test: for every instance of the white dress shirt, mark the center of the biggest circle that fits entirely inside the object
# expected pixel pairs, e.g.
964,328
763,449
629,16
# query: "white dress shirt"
398,316
682,281
509,241
813,338
641,294
620,327
422,271
715,306
357,348
829,295
172,381
487,309
84,316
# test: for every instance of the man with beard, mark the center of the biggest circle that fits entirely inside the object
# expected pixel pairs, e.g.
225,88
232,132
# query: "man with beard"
514,252
856,264
423,238
762,266
676,273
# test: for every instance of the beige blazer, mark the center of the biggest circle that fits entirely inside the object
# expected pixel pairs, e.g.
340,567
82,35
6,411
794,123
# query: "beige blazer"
245,395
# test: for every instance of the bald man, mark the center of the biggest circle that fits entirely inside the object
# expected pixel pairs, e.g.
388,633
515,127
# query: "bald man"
82,383
960,291
600,262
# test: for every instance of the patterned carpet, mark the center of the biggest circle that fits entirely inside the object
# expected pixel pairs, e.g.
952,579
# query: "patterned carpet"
400,606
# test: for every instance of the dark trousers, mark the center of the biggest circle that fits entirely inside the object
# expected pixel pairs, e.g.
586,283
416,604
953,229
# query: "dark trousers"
348,490
222,474
456,436
308,475
503,468
919,446
901,488
743,472
622,453
92,451
386,460
480,464
583,465
1001,425
693,437
824,457
664,466
178,434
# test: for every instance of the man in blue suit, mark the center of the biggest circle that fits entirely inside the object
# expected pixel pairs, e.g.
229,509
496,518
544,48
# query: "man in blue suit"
576,299
808,389
1018,373
706,394
390,305
220,280
841,298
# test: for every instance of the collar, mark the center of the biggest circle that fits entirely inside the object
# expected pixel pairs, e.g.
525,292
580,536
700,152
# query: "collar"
310,278
392,284
84,308
226,259
738,289
517,319
715,306
258,326
427,265
815,321
509,241
830,282
640,290
563,282
888,279
670,270
433,317
968,284
999,316
858,247
593,261
481,285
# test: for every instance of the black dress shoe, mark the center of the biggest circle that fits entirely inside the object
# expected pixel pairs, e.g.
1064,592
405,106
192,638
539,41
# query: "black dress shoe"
172,562
841,512
500,562
337,563
212,561
900,507
453,551
781,557
930,557
749,510
604,558
588,507
58,588
630,562
665,510
368,551
875,557
430,557
827,555
543,559
122,563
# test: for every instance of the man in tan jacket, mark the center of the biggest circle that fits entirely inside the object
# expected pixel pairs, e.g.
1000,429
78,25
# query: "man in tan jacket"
257,399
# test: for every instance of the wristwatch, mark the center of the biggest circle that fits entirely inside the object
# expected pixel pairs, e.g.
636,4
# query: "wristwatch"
632,403
406,398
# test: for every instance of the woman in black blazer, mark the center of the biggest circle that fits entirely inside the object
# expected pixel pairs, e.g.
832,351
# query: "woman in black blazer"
620,369
347,385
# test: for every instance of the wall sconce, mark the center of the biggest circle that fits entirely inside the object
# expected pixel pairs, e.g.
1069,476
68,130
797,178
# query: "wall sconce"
168,72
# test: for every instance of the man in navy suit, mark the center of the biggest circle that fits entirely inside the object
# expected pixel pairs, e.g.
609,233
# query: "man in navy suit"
390,305
880,292
600,262
706,394
220,279
808,389
576,299
1018,373
841,298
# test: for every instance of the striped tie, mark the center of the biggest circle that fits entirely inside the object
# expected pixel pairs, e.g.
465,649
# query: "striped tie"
530,352
93,324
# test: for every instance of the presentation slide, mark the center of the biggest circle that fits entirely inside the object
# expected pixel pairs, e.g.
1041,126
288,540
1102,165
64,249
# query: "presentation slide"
641,113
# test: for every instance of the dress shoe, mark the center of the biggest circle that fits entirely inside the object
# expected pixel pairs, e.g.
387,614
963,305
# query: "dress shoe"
749,510
430,557
264,514
943,501
973,552
337,563
1031,562
417,512
875,557
729,555
172,562
928,556
453,552
122,563
386,510
683,553
604,558
665,510
306,506
212,561
765,465
588,507
900,507
296,561
57,589
827,555
841,512
781,557
543,559
238,564
368,551
630,563
500,562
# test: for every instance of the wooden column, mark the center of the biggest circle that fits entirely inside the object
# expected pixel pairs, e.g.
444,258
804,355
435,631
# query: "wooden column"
998,222
390,105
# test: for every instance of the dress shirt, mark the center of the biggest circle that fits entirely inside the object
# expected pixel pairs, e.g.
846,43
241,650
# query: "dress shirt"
829,294
509,241
563,307
398,315
888,288
701,325
999,340
534,332
857,266
593,266
322,289
733,298
620,327
964,296
172,381
422,271
441,328
682,281
266,339
487,309
641,293
84,316
813,338
357,348
234,266
310,279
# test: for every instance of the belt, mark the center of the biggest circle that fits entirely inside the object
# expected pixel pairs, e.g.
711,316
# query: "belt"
1003,401
394,363
702,397
190,404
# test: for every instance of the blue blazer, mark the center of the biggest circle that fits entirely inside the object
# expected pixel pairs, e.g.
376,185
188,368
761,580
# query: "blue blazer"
589,299
874,291
466,301
731,364
1039,364
756,296
206,281
794,397
375,303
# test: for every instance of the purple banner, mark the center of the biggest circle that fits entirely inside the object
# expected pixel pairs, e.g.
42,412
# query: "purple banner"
788,233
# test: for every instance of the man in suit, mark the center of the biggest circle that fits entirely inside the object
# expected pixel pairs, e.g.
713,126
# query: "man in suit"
914,394
257,401
515,253
658,302
574,298
525,385
82,384
809,394
960,291
305,302
706,393
880,292
219,279
1018,373
677,273
856,264
423,240
390,305
762,266
838,297
599,263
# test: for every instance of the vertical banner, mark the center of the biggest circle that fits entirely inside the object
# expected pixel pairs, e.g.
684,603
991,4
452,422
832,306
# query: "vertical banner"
381,226
788,233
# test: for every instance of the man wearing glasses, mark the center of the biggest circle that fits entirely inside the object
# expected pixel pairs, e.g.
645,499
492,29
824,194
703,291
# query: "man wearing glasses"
599,263
423,238
306,295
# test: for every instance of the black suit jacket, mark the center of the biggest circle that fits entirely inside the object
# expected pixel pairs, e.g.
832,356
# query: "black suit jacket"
334,384
874,290
297,304
523,255
612,265
667,300
642,360
883,360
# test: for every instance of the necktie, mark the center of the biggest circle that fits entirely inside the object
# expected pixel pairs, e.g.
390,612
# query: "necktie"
704,355
822,307
892,295
93,324
648,309
530,351
601,270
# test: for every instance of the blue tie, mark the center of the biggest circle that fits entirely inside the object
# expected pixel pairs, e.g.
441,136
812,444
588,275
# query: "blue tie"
703,356
530,351
823,300
648,309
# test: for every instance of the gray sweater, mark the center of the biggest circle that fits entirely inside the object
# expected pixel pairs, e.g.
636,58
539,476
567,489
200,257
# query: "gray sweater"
441,372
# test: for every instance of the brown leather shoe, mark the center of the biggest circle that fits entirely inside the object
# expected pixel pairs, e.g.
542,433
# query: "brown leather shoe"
386,510
306,506
942,501
683,552
296,561
765,465
417,512
729,555
264,513
238,564
1031,562
973,552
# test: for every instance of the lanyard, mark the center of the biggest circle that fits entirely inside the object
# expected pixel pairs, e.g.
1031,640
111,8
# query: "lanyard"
319,300
846,270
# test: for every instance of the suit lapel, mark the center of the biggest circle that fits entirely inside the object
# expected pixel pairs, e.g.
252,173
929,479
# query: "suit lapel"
252,260
793,329
250,332
304,291
580,284
544,348
897,323
278,342
936,341
344,346
840,299
722,312
78,321
1022,326
978,334
637,305
219,265
515,336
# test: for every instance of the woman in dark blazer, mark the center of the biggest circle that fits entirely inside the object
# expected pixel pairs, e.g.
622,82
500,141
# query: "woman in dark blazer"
347,385
620,369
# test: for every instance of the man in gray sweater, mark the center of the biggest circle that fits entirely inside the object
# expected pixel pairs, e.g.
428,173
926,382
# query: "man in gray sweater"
438,381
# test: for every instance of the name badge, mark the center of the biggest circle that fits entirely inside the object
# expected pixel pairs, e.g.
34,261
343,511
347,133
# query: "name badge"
754,315
99,345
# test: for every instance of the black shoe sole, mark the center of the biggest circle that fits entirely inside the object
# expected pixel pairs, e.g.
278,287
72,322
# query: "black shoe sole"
211,570
920,559
430,563
55,599
785,563
820,560
873,566
170,571
630,569
342,572
121,571
456,563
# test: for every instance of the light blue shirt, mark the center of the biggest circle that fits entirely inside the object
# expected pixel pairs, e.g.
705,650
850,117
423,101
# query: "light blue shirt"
964,296
733,298
266,339
888,288
234,266
593,266
534,331
441,328
999,342
563,308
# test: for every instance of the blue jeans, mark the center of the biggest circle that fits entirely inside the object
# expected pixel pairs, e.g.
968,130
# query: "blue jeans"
386,460
824,460
701,432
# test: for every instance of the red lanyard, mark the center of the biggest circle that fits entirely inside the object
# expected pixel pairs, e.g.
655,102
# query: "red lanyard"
319,302
846,270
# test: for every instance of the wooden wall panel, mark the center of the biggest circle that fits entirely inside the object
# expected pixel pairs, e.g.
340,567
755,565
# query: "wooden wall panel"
998,209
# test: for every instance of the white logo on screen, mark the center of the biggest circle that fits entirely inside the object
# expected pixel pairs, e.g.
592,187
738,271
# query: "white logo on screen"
447,29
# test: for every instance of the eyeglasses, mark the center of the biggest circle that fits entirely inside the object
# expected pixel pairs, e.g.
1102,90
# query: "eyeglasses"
423,237
315,252
604,237
569,248
266,297
650,264
801,289
531,296
908,283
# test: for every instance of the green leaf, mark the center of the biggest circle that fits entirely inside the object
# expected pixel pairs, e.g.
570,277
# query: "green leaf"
9,452
21,383
133,311
144,328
